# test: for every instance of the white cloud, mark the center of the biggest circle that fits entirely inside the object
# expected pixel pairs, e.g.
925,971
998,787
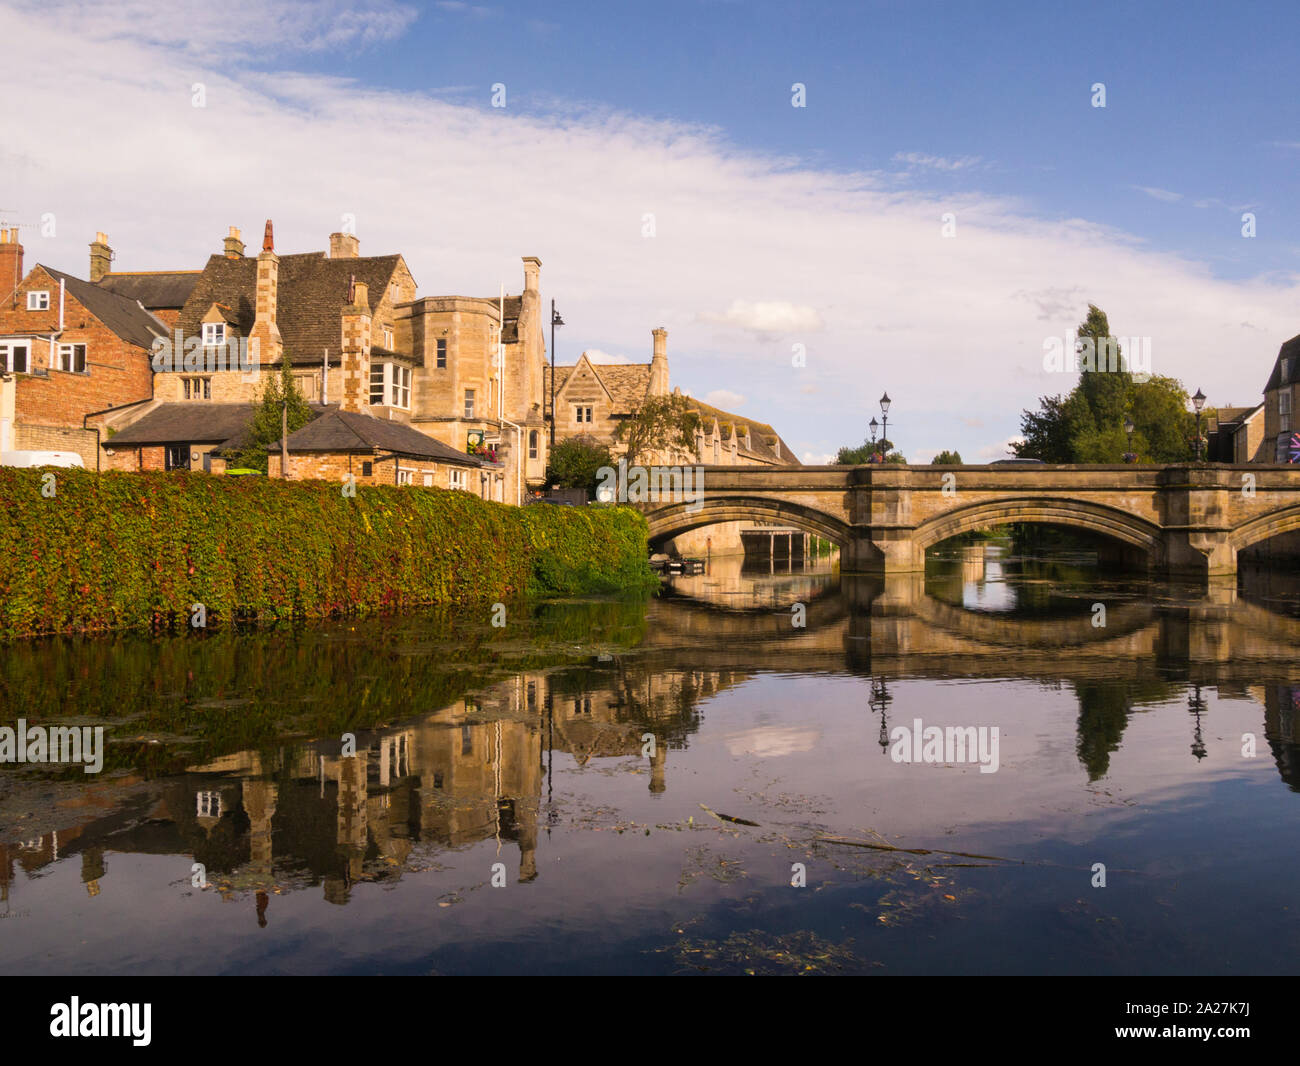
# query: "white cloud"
752,254
818,458
1163,195
595,355
724,398
772,316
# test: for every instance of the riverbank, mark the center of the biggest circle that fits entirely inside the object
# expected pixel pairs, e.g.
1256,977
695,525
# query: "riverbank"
84,552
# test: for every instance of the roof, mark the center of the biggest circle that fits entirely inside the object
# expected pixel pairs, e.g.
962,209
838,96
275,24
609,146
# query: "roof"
762,437
311,295
1228,415
626,383
1289,350
124,317
155,289
510,308
193,422
347,431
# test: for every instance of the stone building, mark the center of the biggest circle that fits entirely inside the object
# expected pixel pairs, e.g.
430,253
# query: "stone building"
464,371
1280,404
591,399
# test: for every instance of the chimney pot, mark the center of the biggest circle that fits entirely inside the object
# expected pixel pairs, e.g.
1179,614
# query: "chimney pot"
101,257
268,238
234,246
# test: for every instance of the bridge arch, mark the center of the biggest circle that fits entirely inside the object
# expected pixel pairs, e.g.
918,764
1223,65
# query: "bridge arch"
670,520
1058,511
1273,524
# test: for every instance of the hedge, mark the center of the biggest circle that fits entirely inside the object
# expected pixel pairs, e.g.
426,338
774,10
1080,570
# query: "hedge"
127,550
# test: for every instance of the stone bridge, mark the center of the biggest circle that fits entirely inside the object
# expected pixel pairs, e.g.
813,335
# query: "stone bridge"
1188,521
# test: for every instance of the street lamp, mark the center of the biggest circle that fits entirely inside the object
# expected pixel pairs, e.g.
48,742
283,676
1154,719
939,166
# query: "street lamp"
1198,401
1129,456
556,320
884,428
874,426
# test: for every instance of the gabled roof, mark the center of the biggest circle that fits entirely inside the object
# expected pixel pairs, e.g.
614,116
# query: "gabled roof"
1289,350
347,431
762,437
311,293
165,289
626,383
124,317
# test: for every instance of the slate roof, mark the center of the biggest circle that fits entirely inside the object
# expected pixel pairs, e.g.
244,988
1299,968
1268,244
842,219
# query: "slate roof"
347,431
192,422
510,308
1228,415
167,289
311,293
1289,350
124,317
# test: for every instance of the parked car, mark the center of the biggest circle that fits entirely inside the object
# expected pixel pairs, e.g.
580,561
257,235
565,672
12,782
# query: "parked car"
40,459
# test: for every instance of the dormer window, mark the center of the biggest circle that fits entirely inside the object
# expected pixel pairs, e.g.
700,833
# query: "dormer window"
38,300
214,333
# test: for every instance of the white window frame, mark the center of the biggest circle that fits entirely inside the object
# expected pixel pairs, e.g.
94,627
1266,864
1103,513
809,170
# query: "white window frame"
440,353
38,300
214,334
393,386
582,413
388,338
378,388
7,355
404,474
469,403
534,444
67,361
428,479
456,478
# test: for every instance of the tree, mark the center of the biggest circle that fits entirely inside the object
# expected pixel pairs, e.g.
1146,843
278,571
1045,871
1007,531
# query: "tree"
946,458
869,452
662,425
575,463
1087,426
266,425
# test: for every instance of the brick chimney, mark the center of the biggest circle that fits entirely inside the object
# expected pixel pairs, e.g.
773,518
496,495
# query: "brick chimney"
354,359
344,246
101,258
234,246
659,364
265,331
11,262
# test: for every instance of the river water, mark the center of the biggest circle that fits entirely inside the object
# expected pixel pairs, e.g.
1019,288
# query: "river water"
740,775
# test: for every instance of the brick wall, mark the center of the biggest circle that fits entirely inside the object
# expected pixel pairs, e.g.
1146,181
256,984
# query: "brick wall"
335,467
117,372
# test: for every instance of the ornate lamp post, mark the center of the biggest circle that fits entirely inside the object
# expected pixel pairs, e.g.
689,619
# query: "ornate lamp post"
884,427
874,426
1198,401
556,320
1129,456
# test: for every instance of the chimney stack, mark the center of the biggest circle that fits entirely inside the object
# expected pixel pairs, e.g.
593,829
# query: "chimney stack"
532,272
234,246
354,359
344,246
101,258
11,262
659,364
265,331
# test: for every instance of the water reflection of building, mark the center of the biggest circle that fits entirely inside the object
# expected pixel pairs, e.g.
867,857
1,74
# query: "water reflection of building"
471,772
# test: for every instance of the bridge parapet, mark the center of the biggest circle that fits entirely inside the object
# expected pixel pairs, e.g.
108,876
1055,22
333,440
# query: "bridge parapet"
1185,519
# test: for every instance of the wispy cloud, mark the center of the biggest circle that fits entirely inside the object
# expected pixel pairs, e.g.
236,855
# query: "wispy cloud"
772,316
724,398
936,162
1163,195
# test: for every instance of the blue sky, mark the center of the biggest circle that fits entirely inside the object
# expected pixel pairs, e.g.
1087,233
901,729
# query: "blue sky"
776,226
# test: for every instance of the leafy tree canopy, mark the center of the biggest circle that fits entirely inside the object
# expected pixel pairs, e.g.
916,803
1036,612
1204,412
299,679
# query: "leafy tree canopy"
266,424
662,426
575,463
